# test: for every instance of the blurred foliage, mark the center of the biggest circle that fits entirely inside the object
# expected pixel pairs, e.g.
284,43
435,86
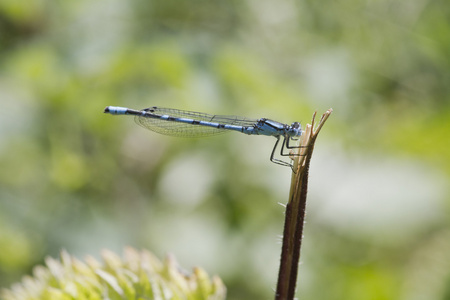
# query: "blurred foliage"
140,275
74,178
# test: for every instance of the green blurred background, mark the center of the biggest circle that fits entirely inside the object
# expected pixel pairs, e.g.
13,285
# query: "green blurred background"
71,177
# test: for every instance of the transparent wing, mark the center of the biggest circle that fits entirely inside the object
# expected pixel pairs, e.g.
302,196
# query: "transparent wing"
180,129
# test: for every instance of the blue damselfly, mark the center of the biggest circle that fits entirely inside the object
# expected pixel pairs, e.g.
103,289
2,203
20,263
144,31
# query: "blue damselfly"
182,123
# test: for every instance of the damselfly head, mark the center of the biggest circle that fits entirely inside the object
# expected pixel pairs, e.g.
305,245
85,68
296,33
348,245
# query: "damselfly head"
295,129
296,125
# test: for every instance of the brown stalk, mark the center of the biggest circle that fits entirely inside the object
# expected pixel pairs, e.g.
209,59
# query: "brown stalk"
295,212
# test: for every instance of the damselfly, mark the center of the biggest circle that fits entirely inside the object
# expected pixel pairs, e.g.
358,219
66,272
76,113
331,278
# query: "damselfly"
182,123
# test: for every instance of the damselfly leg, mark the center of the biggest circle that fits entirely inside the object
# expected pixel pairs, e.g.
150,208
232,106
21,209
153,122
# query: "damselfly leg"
285,144
279,161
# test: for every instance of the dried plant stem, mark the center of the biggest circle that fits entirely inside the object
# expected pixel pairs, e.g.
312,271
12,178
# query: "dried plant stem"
295,213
